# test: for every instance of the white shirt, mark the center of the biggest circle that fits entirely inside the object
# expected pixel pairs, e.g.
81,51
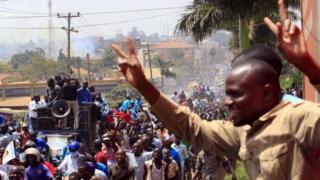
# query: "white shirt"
138,163
69,164
174,98
33,106
3,175
100,174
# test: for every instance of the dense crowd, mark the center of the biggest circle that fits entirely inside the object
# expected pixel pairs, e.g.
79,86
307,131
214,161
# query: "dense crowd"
130,141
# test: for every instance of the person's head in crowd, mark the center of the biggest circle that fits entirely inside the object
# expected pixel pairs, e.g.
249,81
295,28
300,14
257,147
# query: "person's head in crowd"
75,176
157,154
67,80
98,97
167,143
149,131
50,82
74,146
30,144
36,98
4,128
85,84
82,149
161,127
252,84
121,157
16,173
146,140
92,89
76,83
166,154
71,138
44,138
32,156
137,148
59,79
177,140
2,149
33,136
106,141
86,167
97,144
122,125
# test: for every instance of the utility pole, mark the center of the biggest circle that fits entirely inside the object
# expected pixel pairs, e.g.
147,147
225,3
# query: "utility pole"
78,68
88,68
51,48
151,77
69,29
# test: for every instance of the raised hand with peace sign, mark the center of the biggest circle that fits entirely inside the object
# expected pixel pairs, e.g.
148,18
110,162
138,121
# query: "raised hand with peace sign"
292,44
131,69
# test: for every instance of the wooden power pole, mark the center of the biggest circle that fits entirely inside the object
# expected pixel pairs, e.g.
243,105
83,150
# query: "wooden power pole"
69,29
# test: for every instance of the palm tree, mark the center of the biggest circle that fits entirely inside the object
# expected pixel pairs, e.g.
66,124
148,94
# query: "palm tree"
165,69
206,16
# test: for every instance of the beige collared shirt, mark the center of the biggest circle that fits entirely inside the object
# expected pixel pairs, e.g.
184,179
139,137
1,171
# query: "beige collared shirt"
282,144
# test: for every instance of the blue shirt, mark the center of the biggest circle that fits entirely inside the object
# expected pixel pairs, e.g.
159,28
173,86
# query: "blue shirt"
65,152
175,156
102,168
41,144
125,105
40,172
137,105
84,96
291,98
134,115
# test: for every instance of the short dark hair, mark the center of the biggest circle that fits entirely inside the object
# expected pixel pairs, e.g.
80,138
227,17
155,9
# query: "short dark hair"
260,52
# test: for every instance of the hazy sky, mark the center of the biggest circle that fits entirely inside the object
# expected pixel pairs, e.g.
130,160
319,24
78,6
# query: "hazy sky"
160,21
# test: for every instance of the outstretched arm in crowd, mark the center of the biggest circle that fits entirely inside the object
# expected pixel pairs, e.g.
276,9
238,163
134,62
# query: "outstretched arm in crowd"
292,44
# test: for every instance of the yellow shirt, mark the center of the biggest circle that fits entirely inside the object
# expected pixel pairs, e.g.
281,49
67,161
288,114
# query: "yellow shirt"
282,144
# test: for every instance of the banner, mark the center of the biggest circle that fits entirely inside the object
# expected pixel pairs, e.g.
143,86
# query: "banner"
9,153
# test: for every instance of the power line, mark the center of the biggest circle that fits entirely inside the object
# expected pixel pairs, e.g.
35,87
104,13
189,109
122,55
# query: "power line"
130,11
93,25
123,21
42,15
46,28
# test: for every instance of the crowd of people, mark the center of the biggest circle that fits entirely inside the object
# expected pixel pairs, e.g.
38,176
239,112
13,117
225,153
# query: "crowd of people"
179,138
133,144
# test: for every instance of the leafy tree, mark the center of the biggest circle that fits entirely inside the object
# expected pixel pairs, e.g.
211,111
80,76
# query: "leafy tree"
5,67
165,69
109,58
206,16
19,59
119,93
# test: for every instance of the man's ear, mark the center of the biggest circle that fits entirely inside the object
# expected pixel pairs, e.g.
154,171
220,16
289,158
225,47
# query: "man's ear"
268,91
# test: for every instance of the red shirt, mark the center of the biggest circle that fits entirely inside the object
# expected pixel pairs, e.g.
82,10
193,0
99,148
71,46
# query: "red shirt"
101,158
25,137
50,167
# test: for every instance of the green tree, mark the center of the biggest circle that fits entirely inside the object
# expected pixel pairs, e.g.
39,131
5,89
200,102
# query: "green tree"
206,16
119,93
165,69
5,67
109,58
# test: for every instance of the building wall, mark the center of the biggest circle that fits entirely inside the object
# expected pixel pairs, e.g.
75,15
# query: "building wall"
311,29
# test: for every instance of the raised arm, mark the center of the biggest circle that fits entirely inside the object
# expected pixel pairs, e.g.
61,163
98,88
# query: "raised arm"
292,44
178,119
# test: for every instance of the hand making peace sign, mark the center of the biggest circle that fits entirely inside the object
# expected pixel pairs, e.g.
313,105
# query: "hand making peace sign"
291,41
129,65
